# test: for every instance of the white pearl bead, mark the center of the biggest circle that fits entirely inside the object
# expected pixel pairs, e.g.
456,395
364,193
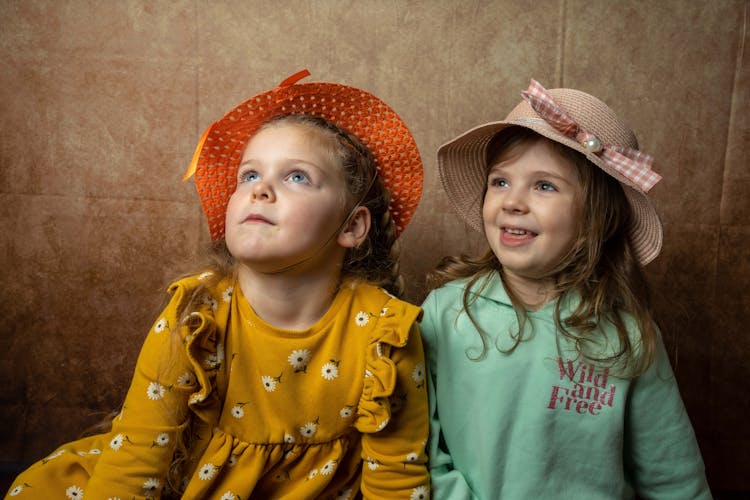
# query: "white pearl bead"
593,144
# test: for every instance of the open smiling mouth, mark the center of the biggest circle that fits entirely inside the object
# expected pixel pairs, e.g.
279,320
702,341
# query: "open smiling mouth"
517,232
516,237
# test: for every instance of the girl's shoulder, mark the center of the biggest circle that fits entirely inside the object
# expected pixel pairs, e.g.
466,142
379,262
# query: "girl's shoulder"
208,280
489,286
375,298
207,291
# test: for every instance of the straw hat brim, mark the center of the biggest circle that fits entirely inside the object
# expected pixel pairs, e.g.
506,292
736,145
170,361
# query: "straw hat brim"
462,164
371,120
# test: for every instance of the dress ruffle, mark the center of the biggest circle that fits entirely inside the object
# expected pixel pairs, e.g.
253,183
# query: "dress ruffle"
205,351
374,409
201,349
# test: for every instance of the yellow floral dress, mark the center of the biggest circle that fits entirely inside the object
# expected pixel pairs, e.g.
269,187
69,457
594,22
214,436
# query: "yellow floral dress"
336,411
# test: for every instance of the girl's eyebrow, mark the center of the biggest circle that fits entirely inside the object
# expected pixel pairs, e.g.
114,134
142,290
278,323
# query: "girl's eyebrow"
253,161
547,173
245,162
494,167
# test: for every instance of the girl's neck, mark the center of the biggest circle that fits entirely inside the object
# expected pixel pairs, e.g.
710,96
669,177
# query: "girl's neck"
288,300
532,292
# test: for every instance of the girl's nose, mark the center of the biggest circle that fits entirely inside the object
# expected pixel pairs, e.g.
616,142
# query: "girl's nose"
262,191
514,202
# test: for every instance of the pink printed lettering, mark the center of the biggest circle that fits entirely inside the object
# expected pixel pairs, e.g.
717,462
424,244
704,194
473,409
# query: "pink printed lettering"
592,393
595,407
581,406
562,396
577,390
587,372
587,394
607,398
566,368
554,399
601,379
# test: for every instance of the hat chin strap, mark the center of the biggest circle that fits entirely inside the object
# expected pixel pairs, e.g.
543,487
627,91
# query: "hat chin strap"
333,235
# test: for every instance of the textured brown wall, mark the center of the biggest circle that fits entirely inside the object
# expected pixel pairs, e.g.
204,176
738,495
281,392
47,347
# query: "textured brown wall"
102,103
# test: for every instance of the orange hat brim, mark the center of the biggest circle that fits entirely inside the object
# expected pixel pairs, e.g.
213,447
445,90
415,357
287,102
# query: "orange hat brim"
219,151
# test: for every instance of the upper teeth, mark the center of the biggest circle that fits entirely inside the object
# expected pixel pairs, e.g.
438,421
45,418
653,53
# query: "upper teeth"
515,231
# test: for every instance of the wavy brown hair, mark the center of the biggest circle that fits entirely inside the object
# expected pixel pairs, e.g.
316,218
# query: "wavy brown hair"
600,267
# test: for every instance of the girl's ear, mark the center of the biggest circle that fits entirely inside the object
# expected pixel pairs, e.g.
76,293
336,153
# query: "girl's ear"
356,230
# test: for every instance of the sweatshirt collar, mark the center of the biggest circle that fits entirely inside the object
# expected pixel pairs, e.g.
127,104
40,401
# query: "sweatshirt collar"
492,288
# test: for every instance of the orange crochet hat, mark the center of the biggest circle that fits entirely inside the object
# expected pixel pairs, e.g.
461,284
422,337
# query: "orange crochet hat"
372,121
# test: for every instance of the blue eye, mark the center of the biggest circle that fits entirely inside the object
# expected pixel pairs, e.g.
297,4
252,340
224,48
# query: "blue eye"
497,182
298,177
249,176
546,186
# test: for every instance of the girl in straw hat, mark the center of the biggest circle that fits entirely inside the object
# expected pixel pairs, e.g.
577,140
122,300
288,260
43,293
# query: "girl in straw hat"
547,375
288,368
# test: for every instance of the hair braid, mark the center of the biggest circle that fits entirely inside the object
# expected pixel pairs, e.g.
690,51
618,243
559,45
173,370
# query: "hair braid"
376,260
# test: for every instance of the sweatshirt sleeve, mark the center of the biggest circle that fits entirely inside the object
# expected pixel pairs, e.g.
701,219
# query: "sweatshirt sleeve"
447,482
661,452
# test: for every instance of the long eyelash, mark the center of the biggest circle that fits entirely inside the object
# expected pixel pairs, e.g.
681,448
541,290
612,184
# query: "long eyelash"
242,175
299,172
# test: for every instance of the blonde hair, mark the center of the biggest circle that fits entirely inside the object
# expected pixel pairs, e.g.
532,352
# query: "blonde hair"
600,267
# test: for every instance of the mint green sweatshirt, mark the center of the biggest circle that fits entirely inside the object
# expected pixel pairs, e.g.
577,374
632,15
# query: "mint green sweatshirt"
539,422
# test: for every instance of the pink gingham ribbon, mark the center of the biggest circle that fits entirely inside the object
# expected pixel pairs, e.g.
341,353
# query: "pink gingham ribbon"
633,164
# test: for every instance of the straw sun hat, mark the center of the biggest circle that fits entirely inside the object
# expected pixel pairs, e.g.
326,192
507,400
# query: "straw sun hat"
219,151
572,118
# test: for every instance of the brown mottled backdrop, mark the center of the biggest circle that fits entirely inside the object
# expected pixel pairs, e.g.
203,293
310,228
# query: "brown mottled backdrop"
102,103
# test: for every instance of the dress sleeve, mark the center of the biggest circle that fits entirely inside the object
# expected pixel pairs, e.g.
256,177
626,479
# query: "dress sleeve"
144,435
446,481
393,413
661,451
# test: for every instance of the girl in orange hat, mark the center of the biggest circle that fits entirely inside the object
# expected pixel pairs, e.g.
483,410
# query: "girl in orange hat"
288,368
547,374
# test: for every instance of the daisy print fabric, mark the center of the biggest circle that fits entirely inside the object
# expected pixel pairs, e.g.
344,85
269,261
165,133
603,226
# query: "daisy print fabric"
313,401
330,412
